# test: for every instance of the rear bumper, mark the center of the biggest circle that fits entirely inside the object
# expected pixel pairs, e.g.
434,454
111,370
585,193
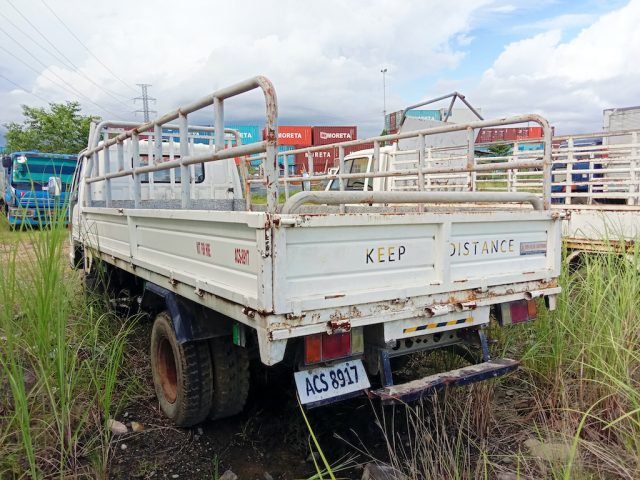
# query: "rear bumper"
416,389
17,220
37,215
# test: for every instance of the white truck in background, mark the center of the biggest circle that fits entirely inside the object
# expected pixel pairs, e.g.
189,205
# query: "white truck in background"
333,290
595,181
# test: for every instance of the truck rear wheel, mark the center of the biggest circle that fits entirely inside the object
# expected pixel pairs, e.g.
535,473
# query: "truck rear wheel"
182,374
230,378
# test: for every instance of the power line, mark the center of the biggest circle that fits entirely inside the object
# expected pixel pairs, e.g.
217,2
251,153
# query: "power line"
8,20
24,89
38,60
40,33
70,89
87,48
145,101
73,66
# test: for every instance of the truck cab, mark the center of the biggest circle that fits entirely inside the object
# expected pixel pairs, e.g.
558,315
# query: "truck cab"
363,162
35,186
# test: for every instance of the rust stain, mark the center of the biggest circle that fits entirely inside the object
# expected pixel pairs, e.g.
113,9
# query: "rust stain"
272,136
338,326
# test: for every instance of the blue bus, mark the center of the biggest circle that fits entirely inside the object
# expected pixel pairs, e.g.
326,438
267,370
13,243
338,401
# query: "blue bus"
35,186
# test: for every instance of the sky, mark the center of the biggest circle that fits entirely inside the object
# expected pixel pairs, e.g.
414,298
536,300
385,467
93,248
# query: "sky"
566,60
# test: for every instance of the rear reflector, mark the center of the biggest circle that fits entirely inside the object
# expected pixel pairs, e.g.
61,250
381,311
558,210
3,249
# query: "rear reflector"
337,345
323,347
313,349
518,312
357,340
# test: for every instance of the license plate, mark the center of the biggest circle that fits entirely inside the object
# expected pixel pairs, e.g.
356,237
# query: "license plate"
327,382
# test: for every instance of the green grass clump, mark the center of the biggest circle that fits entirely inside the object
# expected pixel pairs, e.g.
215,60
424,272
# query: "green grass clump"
585,363
60,356
577,393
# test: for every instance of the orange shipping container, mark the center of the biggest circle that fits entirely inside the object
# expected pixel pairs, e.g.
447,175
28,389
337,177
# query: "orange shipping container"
294,135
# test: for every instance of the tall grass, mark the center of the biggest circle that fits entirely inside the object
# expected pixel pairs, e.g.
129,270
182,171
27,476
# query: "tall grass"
585,364
59,362
578,392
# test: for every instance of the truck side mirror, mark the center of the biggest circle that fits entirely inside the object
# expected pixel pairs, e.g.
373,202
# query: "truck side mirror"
6,161
54,186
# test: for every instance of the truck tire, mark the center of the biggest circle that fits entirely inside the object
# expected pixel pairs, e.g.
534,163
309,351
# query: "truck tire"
230,378
181,374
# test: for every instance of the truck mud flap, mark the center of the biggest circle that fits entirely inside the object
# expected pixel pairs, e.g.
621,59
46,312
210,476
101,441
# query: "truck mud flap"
416,389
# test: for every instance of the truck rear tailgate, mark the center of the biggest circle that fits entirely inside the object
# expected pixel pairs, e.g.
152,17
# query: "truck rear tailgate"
333,260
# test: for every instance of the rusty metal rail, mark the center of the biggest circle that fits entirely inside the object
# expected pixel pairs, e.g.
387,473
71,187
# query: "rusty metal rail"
268,146
341,198
542,162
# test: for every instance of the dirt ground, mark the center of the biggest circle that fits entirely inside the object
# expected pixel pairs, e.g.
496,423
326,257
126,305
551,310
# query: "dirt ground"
268,440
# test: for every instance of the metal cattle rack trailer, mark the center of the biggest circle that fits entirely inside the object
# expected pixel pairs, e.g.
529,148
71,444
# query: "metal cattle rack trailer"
333,289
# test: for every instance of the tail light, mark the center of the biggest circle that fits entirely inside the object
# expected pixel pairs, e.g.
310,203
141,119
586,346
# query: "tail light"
323,347
517,312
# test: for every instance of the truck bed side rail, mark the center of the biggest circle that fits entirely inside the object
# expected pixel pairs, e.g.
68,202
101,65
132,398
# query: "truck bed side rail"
341,198
451,162
267,147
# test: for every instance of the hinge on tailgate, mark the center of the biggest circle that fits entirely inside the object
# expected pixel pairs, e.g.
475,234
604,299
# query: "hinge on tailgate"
264,243
338,326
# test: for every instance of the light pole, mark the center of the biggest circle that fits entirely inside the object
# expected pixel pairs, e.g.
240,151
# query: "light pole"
384,94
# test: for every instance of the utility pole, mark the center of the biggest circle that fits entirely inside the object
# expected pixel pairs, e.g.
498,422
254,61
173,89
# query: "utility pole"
145,101
384,95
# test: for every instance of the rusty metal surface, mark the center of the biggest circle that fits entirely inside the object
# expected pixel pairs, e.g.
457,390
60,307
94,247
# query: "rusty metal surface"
453,96
338,198
268,147
415,389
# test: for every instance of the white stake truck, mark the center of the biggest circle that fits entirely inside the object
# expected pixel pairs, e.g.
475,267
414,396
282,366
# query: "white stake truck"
334,290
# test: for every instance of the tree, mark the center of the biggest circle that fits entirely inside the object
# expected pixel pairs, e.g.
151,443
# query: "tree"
382,134
59,129
500,149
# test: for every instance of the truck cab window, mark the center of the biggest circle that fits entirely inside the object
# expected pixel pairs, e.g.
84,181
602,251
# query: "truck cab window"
164,176
353,165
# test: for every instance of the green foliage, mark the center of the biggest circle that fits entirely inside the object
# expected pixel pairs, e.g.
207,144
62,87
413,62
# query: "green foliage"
382,134
500,150
60,362
59,129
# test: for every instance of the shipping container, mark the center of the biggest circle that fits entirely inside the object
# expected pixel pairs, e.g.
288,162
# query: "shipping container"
293,135
393,125
290,159
281,148
322,160
535,132
490,135
249,133
430,114
327,158
327,135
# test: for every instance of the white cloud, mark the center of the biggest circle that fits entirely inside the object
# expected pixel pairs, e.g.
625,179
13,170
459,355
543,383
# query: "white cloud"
572,81
571,20
504,8
323,57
